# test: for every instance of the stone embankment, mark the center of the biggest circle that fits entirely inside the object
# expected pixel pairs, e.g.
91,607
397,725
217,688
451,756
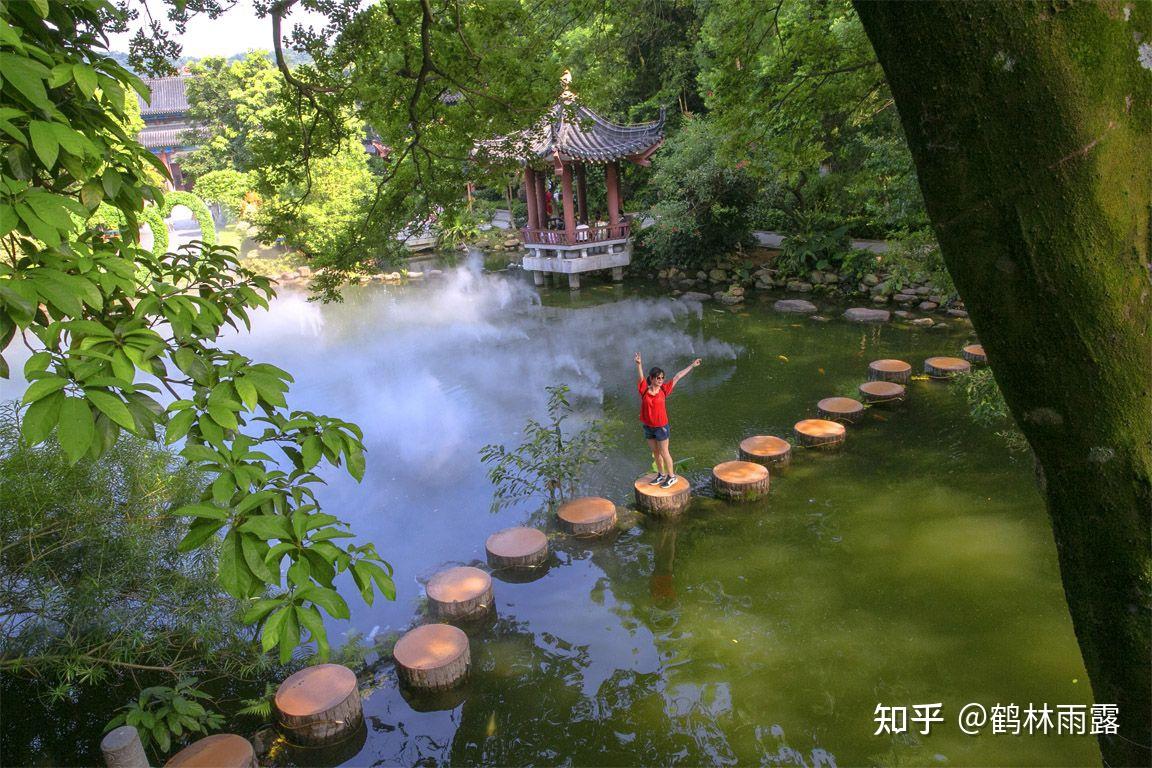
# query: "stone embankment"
881,296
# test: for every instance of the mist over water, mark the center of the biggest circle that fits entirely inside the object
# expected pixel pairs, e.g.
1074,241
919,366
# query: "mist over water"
432,372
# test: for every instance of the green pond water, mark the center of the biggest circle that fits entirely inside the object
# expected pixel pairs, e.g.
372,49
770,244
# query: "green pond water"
914,566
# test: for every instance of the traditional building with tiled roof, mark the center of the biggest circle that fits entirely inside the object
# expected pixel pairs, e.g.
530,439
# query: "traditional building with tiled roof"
569,137
166,124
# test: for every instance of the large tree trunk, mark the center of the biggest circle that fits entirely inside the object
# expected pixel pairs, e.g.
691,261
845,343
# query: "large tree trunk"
1030,126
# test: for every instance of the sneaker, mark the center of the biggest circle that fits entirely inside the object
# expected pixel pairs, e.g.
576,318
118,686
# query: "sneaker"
668,481
657,480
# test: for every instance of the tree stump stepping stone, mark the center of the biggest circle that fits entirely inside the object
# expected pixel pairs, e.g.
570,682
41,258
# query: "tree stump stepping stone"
319,705
432,657
946,367
890,370
460,593
876,392
843,409
220,750
767,450
662,502
820,433
974,353
740,479
517,548
587,516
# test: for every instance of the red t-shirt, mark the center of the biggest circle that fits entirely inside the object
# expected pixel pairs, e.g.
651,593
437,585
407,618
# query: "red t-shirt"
652,410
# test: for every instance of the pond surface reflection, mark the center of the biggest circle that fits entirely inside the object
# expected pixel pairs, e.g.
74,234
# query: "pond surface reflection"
914,566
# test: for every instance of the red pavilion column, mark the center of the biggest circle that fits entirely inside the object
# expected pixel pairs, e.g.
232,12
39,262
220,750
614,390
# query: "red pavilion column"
530,197
541,198
612,182
568,202
582,192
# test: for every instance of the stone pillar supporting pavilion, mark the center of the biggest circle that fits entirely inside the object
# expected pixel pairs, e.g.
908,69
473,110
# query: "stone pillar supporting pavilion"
569,138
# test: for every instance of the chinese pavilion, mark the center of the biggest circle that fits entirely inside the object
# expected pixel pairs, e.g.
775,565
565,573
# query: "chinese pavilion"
569,138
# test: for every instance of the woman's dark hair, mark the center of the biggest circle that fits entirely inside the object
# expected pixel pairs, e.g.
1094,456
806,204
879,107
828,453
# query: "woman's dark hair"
653,373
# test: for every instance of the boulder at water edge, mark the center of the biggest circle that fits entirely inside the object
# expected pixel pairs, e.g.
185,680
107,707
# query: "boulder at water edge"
799,306
865,315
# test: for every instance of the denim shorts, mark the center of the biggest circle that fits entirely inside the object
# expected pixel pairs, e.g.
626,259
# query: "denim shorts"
656,433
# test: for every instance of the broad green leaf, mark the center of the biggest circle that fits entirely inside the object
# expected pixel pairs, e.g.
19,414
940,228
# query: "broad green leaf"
44,142
270,635
268,527
260,609
206,511
311,620
328,599
112,407
311,448
380,576
254,549
43,387
199,532
76,428
85,78
41,418
178,426
232,568
27,77
289,635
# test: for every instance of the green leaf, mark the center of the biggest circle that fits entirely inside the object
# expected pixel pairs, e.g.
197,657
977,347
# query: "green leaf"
380,576
254,550
289,636
27,77
312,450
178,426
44,387
202,510
260,609
235,576
85,78
311,620
268,527
112,407
270,635
247,392
76,428
199,532
41,418
356,463
328,599
44,142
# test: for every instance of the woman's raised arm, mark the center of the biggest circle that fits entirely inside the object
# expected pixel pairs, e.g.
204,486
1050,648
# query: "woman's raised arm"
687,370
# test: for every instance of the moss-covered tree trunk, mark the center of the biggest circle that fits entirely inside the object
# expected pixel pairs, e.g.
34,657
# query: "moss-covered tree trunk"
1030,126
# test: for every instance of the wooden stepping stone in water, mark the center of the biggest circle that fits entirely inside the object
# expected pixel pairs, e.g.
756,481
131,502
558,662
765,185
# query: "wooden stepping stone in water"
767,450
875,392
433,657
587,516
319,705
740,479
889,370
974,353
221,750
459,593
662,502
517,548
820,433
843,409
946,367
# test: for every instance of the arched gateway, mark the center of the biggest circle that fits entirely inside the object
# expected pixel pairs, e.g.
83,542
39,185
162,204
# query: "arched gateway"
563,143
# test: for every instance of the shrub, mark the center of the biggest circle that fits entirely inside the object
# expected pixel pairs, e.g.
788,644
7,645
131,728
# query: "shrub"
703,205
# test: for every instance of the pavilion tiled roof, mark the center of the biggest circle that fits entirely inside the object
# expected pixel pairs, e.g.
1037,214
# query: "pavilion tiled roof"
167,98
164,136
575,132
